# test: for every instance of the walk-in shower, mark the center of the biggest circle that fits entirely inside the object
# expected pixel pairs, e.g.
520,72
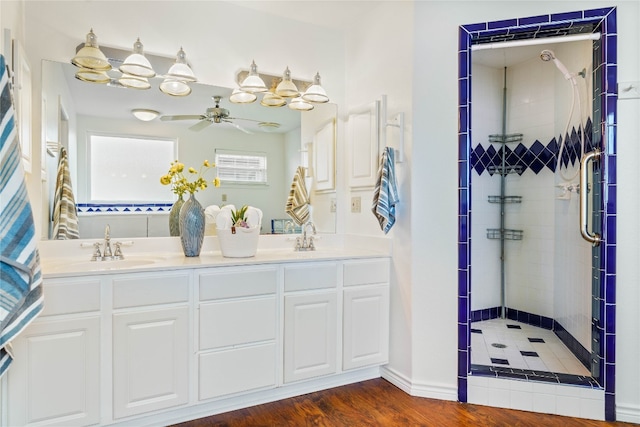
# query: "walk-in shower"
530,286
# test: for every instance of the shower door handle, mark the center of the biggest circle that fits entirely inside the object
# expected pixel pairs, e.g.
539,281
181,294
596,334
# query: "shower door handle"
593,238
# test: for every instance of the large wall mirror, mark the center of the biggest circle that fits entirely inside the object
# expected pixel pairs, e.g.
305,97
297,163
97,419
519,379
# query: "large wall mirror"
73,110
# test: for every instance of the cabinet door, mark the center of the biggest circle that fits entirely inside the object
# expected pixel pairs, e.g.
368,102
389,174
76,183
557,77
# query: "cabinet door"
366,326
309,335
54,378
150,360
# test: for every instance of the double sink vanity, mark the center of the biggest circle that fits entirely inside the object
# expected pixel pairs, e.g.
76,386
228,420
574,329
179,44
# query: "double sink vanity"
158,338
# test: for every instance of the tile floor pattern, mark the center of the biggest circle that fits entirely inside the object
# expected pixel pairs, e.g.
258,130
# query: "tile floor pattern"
526,347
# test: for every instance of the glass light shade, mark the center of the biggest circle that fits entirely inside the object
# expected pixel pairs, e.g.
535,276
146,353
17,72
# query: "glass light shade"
180,70
134,82
136,64
286,88
145,114
240,97
300,104
253,83
175,87
316,92
93,76
270,99
90,56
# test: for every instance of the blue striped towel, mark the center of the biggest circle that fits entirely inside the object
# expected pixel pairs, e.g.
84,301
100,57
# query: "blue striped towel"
21,297
385,195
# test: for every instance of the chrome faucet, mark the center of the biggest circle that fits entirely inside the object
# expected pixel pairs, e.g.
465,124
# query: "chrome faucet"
107,254
307,243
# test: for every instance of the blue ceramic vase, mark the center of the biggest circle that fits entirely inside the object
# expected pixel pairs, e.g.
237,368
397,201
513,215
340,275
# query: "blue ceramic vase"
174,217
191,226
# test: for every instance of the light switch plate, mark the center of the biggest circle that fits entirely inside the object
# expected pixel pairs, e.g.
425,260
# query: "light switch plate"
356,204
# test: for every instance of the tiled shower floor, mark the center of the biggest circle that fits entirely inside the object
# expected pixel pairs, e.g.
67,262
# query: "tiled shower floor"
526,347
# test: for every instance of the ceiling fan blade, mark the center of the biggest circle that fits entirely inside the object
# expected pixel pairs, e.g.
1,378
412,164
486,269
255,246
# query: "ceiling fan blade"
200,125
237,126
247,120
182,117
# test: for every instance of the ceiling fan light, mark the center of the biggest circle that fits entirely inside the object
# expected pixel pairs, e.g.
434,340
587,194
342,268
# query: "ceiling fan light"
300,104
93,76
253,83
241,97
316,92
137,64
180,70
90,56
134,82
286,88
269,126
145,114
175,87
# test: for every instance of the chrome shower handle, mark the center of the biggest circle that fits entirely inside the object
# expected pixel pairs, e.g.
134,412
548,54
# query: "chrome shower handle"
593,238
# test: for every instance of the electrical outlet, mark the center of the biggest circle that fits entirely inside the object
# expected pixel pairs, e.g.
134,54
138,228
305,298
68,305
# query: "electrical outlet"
224,197
332,207
356,204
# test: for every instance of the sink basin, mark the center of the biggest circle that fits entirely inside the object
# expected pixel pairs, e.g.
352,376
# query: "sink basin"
98,265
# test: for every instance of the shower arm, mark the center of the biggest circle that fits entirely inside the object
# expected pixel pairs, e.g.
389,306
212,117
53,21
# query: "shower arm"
593,238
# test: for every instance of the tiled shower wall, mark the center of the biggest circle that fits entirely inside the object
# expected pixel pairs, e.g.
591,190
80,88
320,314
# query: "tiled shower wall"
548,271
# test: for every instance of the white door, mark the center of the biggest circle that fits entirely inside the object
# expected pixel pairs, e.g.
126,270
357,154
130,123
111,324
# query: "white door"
150,360
54,379
310,335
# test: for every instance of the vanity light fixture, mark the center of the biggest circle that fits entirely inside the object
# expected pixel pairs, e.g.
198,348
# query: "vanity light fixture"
286,88
177,79
253,83
137,64
90,56
300,104
240,97
134,82
93,76
271,99
145,114
316,92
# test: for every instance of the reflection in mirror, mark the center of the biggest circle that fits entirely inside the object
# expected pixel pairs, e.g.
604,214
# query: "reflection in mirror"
75,110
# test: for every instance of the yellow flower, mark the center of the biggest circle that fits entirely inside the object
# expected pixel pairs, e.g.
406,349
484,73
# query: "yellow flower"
180,184
165,179
216,182
206,164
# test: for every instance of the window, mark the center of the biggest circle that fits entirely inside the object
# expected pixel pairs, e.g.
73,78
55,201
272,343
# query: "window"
128,169
239,167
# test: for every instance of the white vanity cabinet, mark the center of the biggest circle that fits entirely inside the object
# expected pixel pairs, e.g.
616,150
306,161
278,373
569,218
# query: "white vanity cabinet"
365,313
150,322
310,320
237,329
54,379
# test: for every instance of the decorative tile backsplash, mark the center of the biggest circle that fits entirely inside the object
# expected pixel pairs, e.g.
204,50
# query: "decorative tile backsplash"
534,158
124,207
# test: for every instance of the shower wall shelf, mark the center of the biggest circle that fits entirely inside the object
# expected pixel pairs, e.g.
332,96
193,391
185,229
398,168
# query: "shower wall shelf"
505,139
504,170
505,199
504,234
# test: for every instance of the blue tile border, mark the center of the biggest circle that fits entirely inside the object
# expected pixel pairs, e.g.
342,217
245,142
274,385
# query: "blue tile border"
120,208
602,20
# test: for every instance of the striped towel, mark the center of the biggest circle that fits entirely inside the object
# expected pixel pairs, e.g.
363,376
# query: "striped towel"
298,201
65,215
21,297
385,195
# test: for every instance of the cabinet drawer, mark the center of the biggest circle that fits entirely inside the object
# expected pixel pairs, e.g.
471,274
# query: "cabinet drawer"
310,276
366,272
149,289
236,370
71,296
237,322
233,283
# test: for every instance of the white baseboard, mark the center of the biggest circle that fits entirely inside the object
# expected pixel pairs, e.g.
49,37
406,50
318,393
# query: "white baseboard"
628,413
431,391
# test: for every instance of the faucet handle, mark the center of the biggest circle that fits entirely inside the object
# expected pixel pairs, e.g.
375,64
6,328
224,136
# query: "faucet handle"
96,252
117,254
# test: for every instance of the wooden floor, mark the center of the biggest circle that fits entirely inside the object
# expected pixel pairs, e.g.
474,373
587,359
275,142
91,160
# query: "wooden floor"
379,403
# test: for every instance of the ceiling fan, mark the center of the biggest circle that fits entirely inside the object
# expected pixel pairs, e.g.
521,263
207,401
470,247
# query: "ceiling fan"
212,115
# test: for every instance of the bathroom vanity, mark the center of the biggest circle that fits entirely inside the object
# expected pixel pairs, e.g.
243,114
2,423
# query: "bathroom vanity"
159,338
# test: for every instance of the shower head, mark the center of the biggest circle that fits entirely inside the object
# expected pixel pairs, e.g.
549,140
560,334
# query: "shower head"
548,55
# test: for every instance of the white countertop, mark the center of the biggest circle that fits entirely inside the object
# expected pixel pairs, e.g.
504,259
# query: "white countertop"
73,257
